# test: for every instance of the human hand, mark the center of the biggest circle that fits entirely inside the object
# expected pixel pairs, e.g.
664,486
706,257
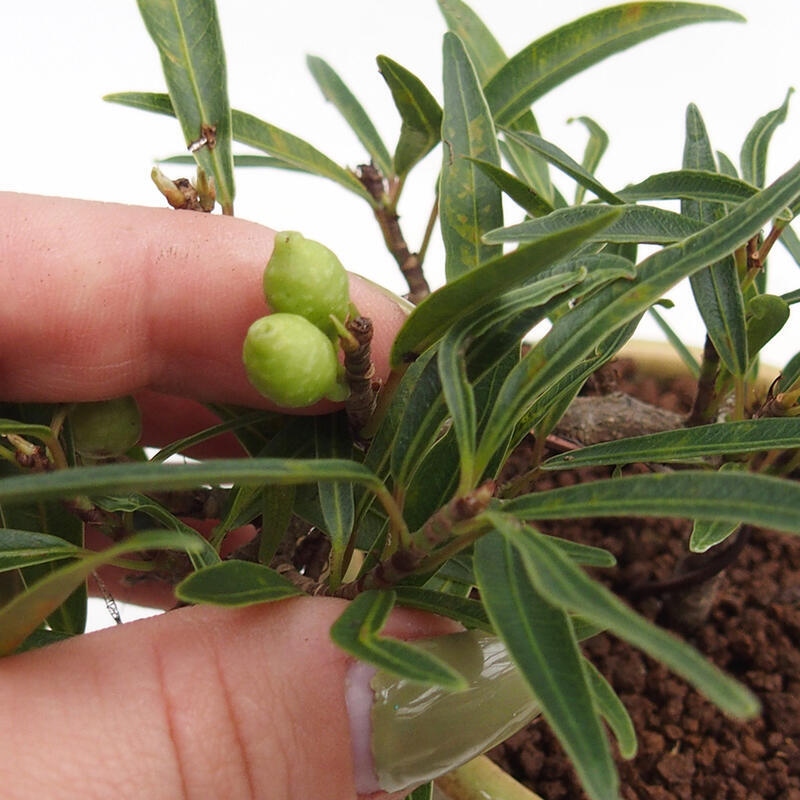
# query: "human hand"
104,300
107,300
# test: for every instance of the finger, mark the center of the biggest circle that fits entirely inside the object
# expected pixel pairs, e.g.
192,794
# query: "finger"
103,300
195,703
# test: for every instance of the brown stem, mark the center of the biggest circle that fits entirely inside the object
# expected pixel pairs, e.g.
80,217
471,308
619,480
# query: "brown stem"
436,531
697,568
706,402
767,244
360,374
389,223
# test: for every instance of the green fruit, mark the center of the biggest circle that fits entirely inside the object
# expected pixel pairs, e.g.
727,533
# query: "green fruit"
304,277
106,428
291,361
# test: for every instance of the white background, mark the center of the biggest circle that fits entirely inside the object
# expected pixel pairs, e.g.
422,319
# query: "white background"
58,137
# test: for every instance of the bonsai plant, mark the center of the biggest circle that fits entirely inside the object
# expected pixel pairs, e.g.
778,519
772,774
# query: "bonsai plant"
402,497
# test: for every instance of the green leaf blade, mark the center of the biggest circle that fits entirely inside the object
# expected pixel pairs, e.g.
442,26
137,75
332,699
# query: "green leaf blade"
558,158
542,643
687,444
21,548
189,41
635,224
22,615
566,585
357,631
689,184
431,318
612,307
753,156
290,150
716,289
420,113
486,53
336,91
336,499
751,498
460,399
235,584
469,202
557,56
281,144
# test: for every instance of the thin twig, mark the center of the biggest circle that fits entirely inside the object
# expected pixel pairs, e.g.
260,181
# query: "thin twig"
389,222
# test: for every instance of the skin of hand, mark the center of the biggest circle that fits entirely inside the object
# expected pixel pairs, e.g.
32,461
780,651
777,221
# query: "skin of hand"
102,300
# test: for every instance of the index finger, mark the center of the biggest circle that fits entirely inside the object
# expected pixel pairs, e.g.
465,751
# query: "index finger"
102,300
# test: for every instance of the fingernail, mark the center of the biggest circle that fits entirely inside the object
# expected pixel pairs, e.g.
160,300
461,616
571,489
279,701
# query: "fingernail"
405,734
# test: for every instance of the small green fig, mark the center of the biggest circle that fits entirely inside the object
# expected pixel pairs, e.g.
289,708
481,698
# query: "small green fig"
292,362
304,277
105,428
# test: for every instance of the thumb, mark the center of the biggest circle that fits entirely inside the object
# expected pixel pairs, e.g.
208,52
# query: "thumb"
197,703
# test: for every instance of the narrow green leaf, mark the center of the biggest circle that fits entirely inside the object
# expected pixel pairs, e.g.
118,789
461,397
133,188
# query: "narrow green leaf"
596,146
155,102
569,587
54,519
488,57
522,194
686,355
753,156
790,298
42,432
434,316
735,497
558,158
687,444
256,133
121,478
469,202
726,166
470,613
243,420
189,42
790,374
276,513
357,631
613,711
484,50
241,160
20,617
584,554
235,584
716,289
573,336
421,410
332,440
203,555
420,113
791,242
542,643
20,548
570,49
689,184
638,224
423,414
336,91
460,399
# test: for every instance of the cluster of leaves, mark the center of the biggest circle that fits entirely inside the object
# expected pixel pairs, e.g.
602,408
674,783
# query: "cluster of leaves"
420,503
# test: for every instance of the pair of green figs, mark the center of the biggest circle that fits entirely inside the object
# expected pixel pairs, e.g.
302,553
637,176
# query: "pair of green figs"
291,354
